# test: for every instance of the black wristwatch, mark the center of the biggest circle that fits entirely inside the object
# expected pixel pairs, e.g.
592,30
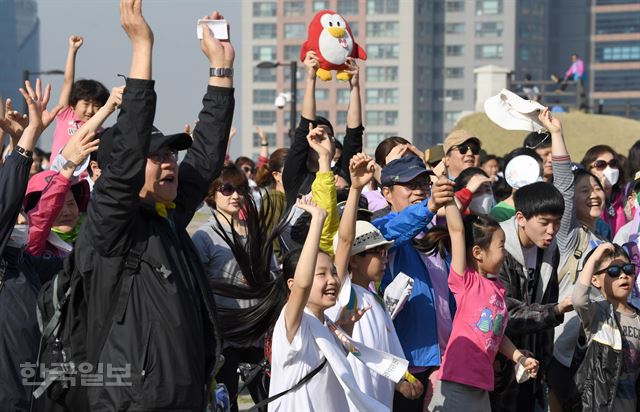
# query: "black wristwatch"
221,72
24,152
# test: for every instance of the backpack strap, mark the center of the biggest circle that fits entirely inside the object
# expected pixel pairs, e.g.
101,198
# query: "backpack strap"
572,263
302,381
131,268
3,270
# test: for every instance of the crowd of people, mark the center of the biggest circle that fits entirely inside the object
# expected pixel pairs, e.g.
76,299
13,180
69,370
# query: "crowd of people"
447,279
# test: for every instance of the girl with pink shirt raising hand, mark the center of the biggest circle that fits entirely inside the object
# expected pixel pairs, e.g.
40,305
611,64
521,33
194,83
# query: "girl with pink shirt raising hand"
80,100
466,374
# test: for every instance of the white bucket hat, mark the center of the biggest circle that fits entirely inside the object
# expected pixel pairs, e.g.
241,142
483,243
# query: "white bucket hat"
512,112
367,237
521,171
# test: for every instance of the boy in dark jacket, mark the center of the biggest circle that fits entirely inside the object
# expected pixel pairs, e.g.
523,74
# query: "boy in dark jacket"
607,379
529,273
154,318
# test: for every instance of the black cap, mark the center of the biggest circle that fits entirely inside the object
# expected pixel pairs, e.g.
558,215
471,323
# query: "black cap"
178,141
403,170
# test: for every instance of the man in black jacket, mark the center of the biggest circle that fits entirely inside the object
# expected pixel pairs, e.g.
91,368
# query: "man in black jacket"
301,166
154,318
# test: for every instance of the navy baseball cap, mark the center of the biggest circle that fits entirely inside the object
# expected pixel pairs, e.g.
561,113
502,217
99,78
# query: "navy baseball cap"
403,170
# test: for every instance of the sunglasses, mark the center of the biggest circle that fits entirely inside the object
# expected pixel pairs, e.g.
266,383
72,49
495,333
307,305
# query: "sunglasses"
380,251
228,189
614,271
247,169
464,149
164,156
601,164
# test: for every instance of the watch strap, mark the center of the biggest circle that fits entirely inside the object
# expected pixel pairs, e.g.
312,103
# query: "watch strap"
221,71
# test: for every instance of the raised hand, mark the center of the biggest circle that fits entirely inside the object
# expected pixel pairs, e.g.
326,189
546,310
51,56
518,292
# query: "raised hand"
310,207
441,194
552,124
77,150
361,169
319,141
115,98
396,153
37,104
354,71
477,181
311,64
133,22
13,122
219,52
75,42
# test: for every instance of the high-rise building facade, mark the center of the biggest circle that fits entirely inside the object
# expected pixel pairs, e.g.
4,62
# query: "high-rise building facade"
614,75
20,44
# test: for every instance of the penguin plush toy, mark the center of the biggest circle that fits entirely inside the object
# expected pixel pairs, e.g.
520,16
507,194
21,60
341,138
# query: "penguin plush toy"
331,39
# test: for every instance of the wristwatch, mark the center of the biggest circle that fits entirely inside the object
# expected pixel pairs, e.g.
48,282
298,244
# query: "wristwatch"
221,72
24,152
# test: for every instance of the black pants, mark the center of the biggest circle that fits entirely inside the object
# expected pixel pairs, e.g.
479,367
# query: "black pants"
228,374
400,403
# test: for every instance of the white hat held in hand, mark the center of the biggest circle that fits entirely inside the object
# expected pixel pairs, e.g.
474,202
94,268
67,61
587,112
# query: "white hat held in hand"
512,112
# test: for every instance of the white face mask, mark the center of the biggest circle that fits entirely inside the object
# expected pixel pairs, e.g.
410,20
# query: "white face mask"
611,175
19,236
482,205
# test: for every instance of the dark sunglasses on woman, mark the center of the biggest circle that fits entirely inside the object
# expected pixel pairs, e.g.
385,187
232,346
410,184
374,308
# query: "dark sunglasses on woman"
227,189
614,271
601,164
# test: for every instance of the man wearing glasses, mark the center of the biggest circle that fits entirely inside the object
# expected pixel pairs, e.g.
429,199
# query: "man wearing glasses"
462,150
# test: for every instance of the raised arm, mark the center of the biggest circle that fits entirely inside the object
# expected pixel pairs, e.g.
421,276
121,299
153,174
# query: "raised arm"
456,233
205,158
353,136
305,269
361,169
116,193
75,42
581,302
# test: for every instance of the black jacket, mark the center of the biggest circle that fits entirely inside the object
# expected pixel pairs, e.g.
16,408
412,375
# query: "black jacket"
167,332
21,277
296,178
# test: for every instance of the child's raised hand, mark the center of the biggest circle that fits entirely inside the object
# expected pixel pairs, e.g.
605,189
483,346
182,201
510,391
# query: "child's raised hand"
115,98
75,42
319,141
361,168
310,207
604,249
396,153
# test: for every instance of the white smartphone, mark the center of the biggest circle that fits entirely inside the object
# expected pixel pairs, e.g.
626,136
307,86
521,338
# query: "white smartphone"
217,27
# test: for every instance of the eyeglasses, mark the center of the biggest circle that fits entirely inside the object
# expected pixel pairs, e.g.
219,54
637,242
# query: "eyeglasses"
475,149
247,169
228,189
416,184
601,164
381,251
164,156
614,271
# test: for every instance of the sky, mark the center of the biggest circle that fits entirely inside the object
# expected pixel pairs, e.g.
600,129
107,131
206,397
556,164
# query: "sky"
180,69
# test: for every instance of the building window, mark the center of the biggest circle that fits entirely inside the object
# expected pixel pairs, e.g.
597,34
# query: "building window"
619,51
264,31
489,51
382,29
299,74
454,72
374,139
348,7
455,6
382,96
452,117
294,8
455,50
320,5
264,117
484,7
341,117
381,73
264,9
264,75
613,23
271,139
291,52
342,96
383,51
261,53
382,6
382,117
617,80
602,2
454,94
454,28
322,94
354,28
295,31
322,113
261,96
489,29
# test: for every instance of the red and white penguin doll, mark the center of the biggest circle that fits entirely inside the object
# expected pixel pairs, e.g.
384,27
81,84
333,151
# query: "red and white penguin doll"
330,38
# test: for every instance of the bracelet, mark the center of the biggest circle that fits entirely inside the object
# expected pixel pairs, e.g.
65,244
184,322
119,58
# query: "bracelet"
264,144
221,72
24,152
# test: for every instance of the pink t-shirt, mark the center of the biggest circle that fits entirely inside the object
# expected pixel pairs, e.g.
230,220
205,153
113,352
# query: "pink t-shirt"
478,327
66,125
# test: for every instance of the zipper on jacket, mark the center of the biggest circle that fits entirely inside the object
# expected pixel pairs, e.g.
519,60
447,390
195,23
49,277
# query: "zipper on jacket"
143,372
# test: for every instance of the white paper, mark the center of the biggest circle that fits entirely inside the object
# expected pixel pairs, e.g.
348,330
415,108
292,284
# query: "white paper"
521,373
217,27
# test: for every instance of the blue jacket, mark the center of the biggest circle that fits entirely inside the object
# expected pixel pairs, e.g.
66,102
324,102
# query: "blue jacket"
416,323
